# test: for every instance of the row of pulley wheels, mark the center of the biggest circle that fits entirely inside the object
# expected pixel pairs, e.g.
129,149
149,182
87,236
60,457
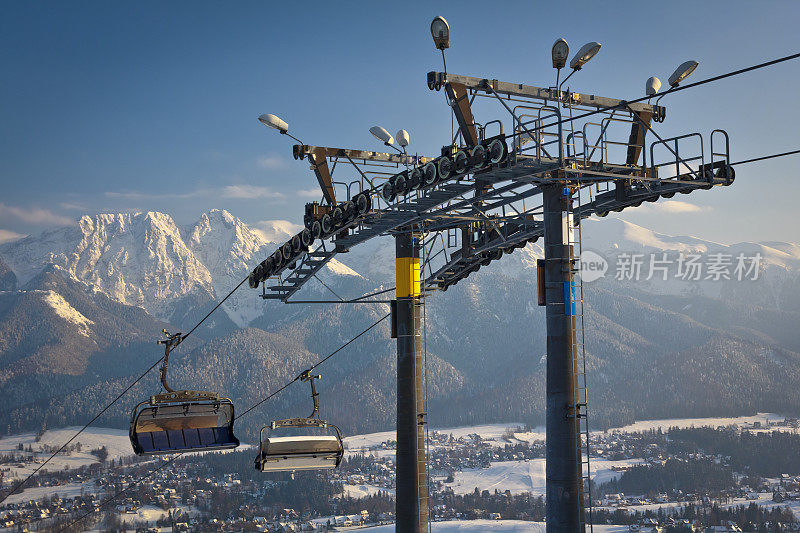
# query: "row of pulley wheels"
484,258
341,215
443,168
725,173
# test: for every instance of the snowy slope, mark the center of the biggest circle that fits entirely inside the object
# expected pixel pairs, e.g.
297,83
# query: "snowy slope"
526,476
116,442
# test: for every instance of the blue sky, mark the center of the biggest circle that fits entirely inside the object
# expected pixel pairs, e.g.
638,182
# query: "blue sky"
112,106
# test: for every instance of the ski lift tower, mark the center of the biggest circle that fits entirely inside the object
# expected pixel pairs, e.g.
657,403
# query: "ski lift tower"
568,156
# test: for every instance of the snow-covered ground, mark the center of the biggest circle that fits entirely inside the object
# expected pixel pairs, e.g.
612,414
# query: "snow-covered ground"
68,490
151,513
764,500
525,476
493,526
496,433
765,419
516,476
115,440
490,432
117,443
362,491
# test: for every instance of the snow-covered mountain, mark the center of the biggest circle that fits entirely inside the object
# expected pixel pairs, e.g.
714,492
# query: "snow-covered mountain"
147,260
775,285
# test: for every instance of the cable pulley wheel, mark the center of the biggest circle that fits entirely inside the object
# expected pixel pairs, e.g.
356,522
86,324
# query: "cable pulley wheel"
387,191
363,202
479,157
327,224
444,167
254,278
400,184
461,162
496,151
266,265
337,216
306,238
350,211
726,173
415,179
286,252
429,174
316,229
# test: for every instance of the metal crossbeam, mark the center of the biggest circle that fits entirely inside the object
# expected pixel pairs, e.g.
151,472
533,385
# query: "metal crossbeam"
300,151
439,79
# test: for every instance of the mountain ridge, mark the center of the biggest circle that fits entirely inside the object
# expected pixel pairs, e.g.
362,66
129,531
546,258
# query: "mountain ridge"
650,348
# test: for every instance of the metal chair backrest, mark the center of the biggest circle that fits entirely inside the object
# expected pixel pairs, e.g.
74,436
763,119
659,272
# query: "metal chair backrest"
183,427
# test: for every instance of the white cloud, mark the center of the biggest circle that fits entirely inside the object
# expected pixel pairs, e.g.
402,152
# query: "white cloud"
73,207
275,230
8,236
250,192
42,217
272,162
309,193
246,192
672,207
136,195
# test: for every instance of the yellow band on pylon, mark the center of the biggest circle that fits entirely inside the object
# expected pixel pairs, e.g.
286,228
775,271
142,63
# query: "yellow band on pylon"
407,275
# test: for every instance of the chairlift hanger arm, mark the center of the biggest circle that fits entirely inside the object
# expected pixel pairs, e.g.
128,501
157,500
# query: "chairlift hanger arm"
170,343
319,164
308,376
462,108
440,79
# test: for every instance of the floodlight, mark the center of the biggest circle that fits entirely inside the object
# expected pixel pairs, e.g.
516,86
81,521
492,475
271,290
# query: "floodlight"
682,72
560,52
587,52
440,31
382,135
271,121
652,85
402,138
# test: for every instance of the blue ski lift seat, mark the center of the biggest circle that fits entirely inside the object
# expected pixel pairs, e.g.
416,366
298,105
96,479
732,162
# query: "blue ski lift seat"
187,426
183,420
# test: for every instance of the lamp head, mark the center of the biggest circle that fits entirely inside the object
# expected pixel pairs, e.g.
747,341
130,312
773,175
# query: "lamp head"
403,138
560,52
682,72
382,135
652,86
276,123
440,31
586,53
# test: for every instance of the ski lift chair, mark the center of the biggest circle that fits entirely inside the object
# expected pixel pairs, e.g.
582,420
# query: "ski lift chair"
300,452
181,421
